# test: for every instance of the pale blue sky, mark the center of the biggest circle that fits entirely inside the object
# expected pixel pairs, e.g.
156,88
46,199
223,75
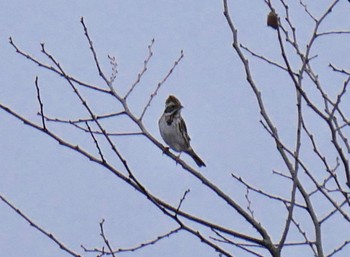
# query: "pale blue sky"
68,195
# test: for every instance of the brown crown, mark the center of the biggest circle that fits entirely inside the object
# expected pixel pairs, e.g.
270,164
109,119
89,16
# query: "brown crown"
172,99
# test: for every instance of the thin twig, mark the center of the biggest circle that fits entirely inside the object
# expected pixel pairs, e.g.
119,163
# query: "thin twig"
244,247
327,33
160,84
40,102
308,12
335,210
96,143
339,70
76,124
144,69
303,233
135,248
338,249
81,120
54,70
264,193
37,227
265,59
181,201
249,207
103,235
102,75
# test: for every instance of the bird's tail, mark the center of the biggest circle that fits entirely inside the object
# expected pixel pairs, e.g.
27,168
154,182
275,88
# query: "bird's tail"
196,158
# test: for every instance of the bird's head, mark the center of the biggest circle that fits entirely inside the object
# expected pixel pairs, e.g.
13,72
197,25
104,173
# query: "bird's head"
172,105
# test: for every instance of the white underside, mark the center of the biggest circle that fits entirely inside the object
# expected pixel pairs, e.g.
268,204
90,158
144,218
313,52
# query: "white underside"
171,135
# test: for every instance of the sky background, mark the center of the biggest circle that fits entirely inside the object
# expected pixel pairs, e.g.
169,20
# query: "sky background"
67,195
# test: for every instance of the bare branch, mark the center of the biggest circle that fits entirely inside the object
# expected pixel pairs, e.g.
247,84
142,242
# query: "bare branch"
340,248
308,12
40,229
264,193
144,69
245,247
339,70
135,248
97,117
160,84
181,201
102,75
40,102
265,59
96,143
327,33
50,68
76,124
105,240
249,207
307,240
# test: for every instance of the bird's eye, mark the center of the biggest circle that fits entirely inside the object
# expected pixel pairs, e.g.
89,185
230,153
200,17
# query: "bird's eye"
170,109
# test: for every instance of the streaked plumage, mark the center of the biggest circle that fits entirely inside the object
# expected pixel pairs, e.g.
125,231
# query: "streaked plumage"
173,129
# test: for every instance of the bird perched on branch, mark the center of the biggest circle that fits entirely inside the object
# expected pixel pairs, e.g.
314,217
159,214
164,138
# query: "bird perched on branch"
173,129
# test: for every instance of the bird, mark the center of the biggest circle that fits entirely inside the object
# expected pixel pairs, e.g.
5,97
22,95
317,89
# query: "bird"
173,129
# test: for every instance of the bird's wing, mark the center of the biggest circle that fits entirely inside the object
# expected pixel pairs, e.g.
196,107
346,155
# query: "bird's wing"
183,130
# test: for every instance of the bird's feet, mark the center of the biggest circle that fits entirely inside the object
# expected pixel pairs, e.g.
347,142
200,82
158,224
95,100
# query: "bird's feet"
177,158
166,149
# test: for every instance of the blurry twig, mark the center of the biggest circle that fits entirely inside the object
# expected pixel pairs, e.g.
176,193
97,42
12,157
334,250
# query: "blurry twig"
96,142
264,193
144,69
100,72
338,249
131,249
57,71
160,84
266,59
37,227
76,123
340,32
249,207
307,11
97,117
303,233
102,234
339,70
243,246
181,201
40,102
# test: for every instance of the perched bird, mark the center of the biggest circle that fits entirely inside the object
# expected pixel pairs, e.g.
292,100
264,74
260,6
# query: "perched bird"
173,129
272,20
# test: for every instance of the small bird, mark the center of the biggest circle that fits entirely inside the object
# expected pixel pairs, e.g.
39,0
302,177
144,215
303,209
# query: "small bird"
173,129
